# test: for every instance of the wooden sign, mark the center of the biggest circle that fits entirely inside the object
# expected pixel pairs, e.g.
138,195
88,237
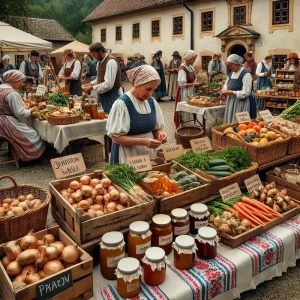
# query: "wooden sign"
140,163
41,90
230,191
201,145
68,165
266,115
253,183
172,151
243,117
54,285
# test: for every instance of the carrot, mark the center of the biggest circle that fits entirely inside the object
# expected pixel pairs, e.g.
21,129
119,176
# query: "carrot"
248,212
232,210
246,216
263,214
261,206
257,213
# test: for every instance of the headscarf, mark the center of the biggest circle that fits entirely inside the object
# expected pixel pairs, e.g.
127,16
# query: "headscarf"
12,76
235,59
189,55
141,75
5,58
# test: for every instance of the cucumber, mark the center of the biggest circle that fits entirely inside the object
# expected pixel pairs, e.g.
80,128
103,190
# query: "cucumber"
219,173
220,168
217,162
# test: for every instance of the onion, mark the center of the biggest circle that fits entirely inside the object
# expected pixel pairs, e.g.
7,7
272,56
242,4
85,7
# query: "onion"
28,257
111,188
13,269
15,203
2,211
114,195
90,201
74,185
86,191
13,251
84,205
51,253
70,200
97,207
100,189
5,206
5,261
20,278
37,203
22,198
23,205
94,182
77,197
18,211
111,207
10,214
29,197
99,199
92,213
52,267
7,200
94,194
75,206
120,207
32,203
123,198
59,245
99,213
70,254
29,241
32,277
28,269
107,198
70,191
41,243
106,183
65,194
48,238
42,274
85,180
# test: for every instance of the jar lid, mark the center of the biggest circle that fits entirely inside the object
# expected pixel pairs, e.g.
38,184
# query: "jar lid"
199,208
179,213
207,233
112,239
185,241
128,265
155,254
139,227
161,219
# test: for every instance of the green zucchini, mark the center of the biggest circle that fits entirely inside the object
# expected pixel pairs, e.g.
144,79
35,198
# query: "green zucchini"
220,168
219,173
217,162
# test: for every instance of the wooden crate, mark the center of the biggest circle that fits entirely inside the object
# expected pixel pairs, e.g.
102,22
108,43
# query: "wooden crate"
82,275
165,205
80,227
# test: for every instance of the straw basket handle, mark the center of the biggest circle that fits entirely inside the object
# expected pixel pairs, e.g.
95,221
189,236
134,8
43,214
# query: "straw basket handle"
9,177
194,120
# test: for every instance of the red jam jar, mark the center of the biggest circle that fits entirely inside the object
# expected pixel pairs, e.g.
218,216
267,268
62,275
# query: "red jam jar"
180,222
198,217
184,249
206,242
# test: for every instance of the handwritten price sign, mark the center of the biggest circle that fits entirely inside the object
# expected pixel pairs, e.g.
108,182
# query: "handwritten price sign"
201,145
172,151
266,115
230,191
243,117
140,163
253,183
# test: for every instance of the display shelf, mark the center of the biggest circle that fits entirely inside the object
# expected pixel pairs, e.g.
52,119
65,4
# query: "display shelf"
277,107
277,97
284,73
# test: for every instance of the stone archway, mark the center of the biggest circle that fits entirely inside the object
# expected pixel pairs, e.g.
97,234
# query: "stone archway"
237,49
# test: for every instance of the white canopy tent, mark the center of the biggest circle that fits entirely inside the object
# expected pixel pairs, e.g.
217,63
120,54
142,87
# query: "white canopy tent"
13,39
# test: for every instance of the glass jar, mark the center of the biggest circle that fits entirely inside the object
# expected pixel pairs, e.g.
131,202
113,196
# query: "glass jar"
94,110
139,239
162,233
206,242
198,217
155,261
112,249
180,221
184,249
100,113
128,274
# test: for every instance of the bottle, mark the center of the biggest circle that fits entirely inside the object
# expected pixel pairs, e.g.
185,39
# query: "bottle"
94,109
206,242
184,249
180,221
100,113
198,217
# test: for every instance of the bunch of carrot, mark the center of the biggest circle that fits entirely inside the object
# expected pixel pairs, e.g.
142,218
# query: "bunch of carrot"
254,211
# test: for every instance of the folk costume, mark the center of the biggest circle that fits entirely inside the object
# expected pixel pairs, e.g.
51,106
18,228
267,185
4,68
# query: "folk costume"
72,69
173,77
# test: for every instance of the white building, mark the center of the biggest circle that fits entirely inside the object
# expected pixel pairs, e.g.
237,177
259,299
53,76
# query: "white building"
208,26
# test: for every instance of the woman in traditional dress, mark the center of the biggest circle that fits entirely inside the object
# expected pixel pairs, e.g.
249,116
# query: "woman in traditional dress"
173,70
15,117
135,122
187,84
71,73
161,90
293,65
237,88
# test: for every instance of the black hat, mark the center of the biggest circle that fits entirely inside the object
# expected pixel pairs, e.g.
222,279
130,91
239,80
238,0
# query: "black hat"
34,53
175,53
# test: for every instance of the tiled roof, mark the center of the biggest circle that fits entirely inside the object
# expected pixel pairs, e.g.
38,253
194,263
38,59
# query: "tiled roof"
109,8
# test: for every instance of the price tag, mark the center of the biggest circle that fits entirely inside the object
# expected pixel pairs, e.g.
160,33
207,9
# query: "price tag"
201,145
68,165
253,183
266,115
243,117
172,151
54,285
230,191
41,90
140,163
77,105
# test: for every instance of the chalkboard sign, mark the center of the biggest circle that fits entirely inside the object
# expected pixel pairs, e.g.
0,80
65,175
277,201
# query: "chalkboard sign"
54,285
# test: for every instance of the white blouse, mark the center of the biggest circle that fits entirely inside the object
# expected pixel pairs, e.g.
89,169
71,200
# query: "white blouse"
76,71
258,72
247,84
182,75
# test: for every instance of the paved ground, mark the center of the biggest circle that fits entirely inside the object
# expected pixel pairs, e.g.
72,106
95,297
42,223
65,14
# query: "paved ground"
40,173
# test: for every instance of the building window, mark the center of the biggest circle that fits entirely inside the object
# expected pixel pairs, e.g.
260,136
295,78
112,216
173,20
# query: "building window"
119,33
18,60
155,28
280,12
207,21
205,61
177,25
278,61
103,35
136,31
239,15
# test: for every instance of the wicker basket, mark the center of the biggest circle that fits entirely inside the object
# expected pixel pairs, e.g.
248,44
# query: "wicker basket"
92,153
184,134
63,120
15,227
261,155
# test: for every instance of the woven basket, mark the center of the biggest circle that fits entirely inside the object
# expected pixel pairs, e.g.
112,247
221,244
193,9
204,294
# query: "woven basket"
65,120
12,228
184,134
92,153
261,155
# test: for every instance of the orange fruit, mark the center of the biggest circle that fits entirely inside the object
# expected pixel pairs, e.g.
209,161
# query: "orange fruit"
251,124
242,132
242,127
261,124
257,128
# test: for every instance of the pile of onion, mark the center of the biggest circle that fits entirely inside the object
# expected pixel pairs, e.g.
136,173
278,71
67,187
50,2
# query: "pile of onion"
29,259
10,207
96,197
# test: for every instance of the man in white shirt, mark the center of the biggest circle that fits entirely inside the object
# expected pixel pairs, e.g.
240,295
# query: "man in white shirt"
108,82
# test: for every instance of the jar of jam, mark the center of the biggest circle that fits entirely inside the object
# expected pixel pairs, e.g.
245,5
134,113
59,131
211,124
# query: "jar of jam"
206,242
112,249
162,233
184,249
139,239
155,262
180,222
198,217
128,275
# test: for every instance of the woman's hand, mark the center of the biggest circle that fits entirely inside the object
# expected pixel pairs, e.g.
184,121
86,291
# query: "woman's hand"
227,93
33,109
151,143
160,136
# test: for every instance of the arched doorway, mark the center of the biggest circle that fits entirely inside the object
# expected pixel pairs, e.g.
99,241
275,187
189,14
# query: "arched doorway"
237,49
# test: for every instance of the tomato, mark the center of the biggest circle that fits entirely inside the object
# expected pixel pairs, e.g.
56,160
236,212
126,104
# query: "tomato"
257,128
251,124
261,124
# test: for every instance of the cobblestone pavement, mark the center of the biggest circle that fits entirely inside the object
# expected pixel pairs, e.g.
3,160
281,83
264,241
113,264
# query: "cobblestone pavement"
40,173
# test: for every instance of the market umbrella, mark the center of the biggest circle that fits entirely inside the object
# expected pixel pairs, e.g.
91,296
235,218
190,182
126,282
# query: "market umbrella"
76,46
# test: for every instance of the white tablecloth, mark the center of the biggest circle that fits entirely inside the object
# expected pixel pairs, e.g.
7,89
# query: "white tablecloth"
208,112
61,135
